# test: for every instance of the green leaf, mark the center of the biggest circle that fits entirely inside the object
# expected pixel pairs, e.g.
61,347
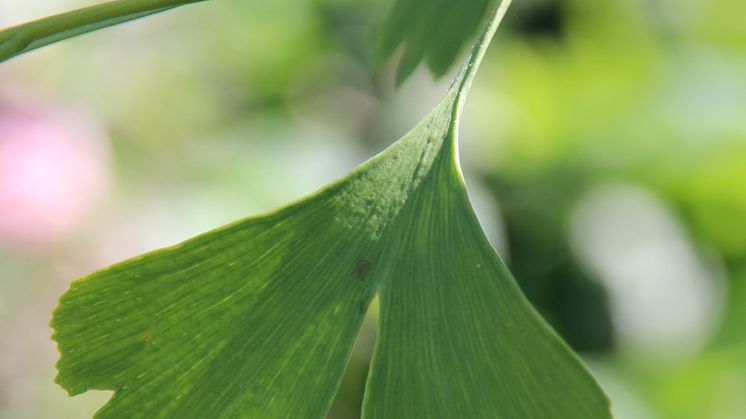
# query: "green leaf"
429,30
27,37
257,319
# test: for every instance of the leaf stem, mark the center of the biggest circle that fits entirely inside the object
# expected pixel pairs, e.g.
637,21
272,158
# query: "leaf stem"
26,37
463,81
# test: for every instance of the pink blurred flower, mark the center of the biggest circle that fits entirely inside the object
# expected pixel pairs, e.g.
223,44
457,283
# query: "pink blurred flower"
54,167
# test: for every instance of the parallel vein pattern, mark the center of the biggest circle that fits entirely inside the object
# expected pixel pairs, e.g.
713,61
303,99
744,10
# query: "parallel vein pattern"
257,319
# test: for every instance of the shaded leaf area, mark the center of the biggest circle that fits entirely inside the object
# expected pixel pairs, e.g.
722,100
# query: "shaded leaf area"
257,319
431,31
27,37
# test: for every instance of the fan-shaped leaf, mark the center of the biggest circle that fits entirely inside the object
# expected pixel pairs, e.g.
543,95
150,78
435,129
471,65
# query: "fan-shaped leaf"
257,319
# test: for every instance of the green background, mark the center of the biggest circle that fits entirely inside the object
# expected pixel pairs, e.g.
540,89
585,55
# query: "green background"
604,146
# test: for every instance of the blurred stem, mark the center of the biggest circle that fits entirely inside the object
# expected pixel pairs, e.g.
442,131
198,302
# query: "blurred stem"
26,37
462,83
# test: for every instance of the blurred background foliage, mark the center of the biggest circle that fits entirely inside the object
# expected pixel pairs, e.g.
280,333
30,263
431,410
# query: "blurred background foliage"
604,147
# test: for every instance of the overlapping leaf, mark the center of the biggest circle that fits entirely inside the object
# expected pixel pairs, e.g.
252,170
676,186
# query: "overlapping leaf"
257,319
432,31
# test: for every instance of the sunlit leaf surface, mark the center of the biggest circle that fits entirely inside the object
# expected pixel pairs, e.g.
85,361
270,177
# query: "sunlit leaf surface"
257,319
29,36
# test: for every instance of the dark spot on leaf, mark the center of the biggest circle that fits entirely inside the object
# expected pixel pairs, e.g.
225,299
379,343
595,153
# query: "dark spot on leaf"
362,269
145,337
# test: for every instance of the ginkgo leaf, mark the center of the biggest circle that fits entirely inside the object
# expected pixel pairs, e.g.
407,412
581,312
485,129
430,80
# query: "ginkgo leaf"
257,319
27,37
433,31
457,338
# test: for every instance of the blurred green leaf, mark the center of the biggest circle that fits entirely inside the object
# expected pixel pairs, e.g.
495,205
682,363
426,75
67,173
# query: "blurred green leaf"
27,37
434,31
257,319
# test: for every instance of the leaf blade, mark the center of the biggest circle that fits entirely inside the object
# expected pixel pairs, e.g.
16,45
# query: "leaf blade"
27,37
107,321
165,322
242,321
457,338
